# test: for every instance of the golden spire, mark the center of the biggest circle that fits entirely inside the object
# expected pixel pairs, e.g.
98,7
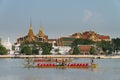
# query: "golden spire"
41,34
30,24
30,33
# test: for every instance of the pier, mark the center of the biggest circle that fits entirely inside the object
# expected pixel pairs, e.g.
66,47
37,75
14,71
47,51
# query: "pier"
60,56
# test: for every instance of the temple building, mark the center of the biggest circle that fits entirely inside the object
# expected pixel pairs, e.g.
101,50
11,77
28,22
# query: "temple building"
40,37
65,41
84,49
90,35
94,36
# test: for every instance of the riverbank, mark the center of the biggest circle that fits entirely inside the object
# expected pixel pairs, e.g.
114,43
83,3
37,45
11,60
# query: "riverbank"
61,56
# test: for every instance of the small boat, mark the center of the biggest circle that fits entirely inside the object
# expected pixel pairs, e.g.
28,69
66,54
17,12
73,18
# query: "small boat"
94,65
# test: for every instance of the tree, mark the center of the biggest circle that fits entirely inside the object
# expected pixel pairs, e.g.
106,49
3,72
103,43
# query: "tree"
26,50
81,41
13,47
36,46
0,40
35,51
3,50
116,44
92,50
104,45
76,50
46,48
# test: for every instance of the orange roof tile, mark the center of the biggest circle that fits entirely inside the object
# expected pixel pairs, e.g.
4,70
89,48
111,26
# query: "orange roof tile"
84,47
104,37
86,33
85,37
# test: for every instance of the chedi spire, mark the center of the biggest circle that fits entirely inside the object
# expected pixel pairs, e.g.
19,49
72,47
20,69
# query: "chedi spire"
30,33
41,34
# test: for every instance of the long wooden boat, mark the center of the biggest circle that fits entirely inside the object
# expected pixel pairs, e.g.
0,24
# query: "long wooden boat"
60,66
60,63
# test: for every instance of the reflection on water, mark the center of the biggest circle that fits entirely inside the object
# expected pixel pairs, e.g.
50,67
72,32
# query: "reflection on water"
13,69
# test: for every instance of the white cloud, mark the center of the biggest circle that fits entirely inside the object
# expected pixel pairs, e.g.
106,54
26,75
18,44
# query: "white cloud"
92,18
86,16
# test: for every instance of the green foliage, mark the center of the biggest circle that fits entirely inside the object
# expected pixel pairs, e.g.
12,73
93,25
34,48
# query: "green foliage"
116,44
0,40
46,48
35,51
26,50
81,42
13,47
104,45
36,46
3,50
92,50
76,50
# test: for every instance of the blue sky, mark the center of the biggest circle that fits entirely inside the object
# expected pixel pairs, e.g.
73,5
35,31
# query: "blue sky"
59,17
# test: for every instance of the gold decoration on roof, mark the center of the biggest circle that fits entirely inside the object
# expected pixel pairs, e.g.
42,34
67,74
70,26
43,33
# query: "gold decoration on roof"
41,34
30,35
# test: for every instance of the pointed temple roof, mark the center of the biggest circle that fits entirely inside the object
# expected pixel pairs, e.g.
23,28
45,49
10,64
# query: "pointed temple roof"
31,36
30,33
40,37
41,34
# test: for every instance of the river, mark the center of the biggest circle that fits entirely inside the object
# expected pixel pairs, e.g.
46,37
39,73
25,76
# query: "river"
13,69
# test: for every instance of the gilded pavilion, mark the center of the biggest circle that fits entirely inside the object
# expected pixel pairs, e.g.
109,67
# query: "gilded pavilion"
40,37
90,35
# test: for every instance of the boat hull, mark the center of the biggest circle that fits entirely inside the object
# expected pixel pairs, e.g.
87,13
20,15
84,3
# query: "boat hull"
59,66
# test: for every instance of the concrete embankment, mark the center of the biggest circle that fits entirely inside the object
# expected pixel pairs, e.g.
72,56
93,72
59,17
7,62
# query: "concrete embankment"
60,56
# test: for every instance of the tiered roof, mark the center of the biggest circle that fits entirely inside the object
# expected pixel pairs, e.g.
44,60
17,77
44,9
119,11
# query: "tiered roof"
41,34
40,37
90,35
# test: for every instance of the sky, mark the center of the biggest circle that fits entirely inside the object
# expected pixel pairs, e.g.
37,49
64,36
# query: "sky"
59,17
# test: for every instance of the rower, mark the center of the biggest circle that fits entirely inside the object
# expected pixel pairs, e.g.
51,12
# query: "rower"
91,61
